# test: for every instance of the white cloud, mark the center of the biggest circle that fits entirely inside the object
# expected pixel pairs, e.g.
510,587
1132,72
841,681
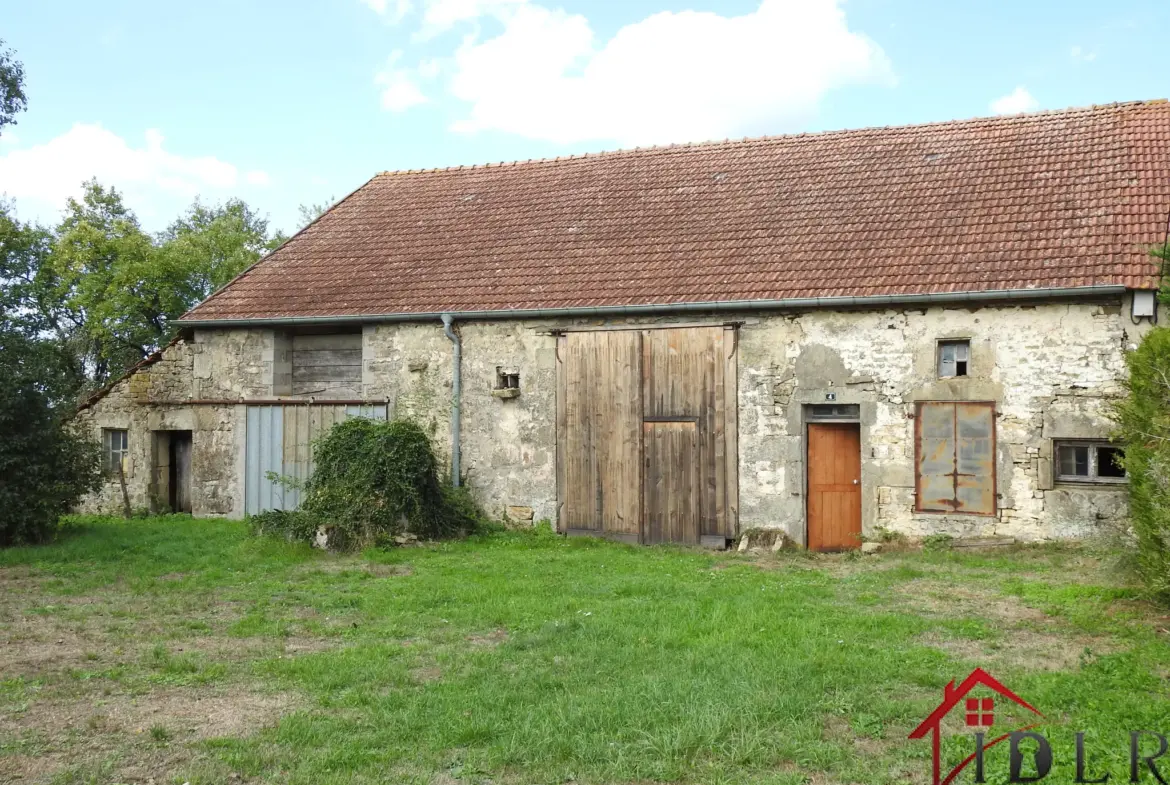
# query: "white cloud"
1019,100
439,15
154,180
1077,53
670,77
400,90
393,10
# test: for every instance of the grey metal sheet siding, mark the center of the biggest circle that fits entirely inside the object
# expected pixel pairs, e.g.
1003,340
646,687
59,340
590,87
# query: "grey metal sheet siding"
263,454
279,439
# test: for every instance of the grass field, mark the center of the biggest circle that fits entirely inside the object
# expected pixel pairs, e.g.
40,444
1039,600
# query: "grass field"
180,650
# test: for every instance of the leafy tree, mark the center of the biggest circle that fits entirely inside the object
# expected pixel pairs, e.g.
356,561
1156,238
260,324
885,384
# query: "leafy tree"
46,465
311,212
12,98
103,277
118,290
207,247
30,307
1144,430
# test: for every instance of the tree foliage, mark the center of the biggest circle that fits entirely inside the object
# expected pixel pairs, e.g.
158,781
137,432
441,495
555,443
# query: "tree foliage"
1144,430
46,465
12,97
105,290
1144,419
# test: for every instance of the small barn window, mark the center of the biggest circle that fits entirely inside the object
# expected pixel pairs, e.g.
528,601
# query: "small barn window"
115,442
1085,461
953,358
955,464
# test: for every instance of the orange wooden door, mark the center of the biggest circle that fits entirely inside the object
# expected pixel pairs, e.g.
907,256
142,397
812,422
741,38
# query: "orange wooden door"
834,486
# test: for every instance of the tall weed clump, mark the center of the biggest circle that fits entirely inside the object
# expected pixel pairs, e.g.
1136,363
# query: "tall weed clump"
373,481
1144,430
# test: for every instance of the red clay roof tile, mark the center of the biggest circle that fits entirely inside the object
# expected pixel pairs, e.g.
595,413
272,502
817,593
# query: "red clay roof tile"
1057,199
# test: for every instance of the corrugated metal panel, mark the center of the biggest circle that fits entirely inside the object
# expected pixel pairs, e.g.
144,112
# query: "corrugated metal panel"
280,439
956,457
263,454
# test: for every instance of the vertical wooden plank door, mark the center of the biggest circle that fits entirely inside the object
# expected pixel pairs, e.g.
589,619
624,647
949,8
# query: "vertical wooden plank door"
834,486
671,486
600,444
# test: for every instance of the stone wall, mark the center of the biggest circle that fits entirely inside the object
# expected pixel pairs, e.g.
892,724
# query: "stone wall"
158,397
1051,369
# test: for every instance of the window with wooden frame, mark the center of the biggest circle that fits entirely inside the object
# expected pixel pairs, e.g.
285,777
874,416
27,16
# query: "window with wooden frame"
1089,462
955,457
115,448
954,358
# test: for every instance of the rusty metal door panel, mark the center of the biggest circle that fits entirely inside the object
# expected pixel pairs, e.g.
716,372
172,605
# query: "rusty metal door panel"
975,458
956,457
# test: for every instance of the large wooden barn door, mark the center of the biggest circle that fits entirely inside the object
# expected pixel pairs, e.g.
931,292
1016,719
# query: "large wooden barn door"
646,434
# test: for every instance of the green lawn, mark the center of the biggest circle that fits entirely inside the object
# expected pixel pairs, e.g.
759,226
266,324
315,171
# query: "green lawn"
183,650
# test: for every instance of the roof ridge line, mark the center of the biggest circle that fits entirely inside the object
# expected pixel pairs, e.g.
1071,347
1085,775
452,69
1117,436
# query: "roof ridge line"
708,144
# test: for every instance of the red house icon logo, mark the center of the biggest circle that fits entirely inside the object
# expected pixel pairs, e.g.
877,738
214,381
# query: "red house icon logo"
979,714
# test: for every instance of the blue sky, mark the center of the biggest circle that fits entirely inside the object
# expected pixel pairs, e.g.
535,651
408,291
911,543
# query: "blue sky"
284,103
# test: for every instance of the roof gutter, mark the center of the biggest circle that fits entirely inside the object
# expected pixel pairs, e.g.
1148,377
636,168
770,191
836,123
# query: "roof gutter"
719,306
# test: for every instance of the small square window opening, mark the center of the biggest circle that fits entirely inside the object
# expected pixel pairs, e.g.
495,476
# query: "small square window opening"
115,443
953,358
1089,462
506,380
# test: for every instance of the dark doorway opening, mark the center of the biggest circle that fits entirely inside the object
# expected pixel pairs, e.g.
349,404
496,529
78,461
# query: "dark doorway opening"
179,481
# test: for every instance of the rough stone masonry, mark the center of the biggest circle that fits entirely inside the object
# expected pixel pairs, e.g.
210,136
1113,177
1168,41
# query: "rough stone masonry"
1051,370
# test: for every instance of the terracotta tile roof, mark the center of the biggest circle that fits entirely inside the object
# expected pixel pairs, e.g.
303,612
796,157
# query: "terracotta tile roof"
1057,199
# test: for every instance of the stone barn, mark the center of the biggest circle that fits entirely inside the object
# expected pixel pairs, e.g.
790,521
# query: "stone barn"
916,329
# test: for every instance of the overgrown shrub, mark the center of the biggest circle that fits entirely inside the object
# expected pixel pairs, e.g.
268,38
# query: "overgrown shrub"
373,481
1144,430
46,465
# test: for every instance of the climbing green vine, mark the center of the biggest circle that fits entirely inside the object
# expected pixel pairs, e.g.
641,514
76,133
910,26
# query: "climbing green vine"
374,481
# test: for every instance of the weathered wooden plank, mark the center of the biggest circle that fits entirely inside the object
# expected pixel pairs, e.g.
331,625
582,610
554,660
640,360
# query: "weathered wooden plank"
327,341
342,390
327,373
562,428
731,429
327,357
680,380
601,448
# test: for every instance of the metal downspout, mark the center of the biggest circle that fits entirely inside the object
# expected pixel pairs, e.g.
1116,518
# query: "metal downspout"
456,397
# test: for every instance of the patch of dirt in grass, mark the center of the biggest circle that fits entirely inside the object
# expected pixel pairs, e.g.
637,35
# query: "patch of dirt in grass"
133,739
187,714
936,598
488,640
1023,648
426,675
334,565
838,729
